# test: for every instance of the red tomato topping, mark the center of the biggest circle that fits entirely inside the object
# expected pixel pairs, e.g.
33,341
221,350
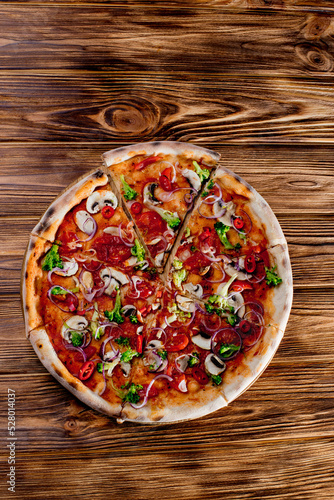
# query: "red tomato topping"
153,391
86,371
107,212
136,208
250,263
165,183
90,351
147,161
177,342
200,375
239,223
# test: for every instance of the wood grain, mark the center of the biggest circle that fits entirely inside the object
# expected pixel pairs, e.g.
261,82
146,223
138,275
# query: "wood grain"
252,79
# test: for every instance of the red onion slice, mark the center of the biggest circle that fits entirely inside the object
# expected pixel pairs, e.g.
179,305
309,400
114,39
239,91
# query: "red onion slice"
137,407
209,328
213,198
50,297
220,214
93,233
129,242
233,217
166,196
219,267
213,343
71,347
161,330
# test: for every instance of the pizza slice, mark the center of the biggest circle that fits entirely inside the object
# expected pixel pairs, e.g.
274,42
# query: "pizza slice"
159,183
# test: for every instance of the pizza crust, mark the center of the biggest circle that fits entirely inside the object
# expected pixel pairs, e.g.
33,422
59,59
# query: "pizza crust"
49,223
164,147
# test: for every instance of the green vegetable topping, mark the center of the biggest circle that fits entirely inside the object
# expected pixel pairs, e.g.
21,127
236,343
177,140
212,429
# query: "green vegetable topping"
193,360
216,379
177,264
57,290
107,365
76,339
138,251
128,355
132,395
193,248
52,259
242,236
209,187
179,276
115,314
187,233
272,278
122,341
222,230
203,173
133,318
172,219
129,193
162,354
227,350
152,271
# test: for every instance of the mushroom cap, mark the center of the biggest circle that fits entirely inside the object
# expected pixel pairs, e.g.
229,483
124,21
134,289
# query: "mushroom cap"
99,199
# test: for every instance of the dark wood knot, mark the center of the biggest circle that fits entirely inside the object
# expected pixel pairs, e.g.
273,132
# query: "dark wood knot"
71,425
132,117
316,26
315,58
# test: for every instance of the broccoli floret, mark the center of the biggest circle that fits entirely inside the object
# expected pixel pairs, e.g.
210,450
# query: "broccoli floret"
272,278
179,276
203,173
122,341
177,264
193,360
57,290
128,355
52,259
128,192
138,251
209,307
76,339
172,219
99,366
227,350
163,354
133,318
222,230
132,395
231,319
115,314
216,379
187,232
208,187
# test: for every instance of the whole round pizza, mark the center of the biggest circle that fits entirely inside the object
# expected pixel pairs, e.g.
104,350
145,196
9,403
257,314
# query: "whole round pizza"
158,287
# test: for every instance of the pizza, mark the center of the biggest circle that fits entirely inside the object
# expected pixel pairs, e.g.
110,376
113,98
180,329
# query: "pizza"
157,288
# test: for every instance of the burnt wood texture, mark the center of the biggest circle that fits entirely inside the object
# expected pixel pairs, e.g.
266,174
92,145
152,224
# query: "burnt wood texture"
252,79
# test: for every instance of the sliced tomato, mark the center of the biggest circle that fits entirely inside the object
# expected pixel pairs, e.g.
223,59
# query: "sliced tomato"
147,161
199,375
66,238
92,265
179,381
240,286
206,233
177,342
264,255
86,371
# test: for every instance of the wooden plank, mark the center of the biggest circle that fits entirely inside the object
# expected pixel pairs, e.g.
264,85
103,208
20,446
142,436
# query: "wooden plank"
175,39
214,110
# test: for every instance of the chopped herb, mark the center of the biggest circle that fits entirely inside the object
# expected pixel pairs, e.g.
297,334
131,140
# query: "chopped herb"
187,232
242,235
122,341
216,379
272,278
52,259
237,246
128,192
57,290
152,271
133,318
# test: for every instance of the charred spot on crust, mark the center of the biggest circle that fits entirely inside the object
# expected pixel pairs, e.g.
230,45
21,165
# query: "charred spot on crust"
49,213
40,346
57,372
73,384
98,174
26,275
31,245
27,308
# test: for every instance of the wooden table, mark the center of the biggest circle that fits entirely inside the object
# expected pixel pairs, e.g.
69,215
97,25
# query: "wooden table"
251,79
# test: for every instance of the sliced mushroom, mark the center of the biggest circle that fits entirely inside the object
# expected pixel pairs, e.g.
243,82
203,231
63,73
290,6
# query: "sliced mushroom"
113,364
126,368
158,260
99,199
131,261
185,303
237,302
148,194
196,290
77,323
87,280
192,178
230,268
230,210
214,365
70,267
85,222
154,344
182,362
202,340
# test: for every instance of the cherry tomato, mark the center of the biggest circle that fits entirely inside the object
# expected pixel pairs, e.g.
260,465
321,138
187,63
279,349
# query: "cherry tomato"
200,375
165,183
136,208
239,223
86,371
147,161
250,263
244,326
177,342
107,212
240,286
